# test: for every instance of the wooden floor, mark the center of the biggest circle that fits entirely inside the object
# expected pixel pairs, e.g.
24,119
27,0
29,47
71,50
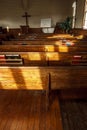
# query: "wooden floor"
74,114
25,110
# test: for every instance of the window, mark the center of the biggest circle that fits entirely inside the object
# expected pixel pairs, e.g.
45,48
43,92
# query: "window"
74,14
85,16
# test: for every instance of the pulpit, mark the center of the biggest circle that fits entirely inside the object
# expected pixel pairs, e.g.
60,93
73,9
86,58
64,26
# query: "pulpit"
24,29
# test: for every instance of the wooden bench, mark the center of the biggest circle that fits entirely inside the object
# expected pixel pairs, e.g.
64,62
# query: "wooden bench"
25,78
43,48
57,60
49,58
37,77
43,78
41,37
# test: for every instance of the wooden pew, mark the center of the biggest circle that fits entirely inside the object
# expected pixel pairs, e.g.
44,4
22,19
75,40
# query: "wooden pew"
36,78
48,37
39,42
25,78
43,48
40,39
51,55
49,58
30,42
81,43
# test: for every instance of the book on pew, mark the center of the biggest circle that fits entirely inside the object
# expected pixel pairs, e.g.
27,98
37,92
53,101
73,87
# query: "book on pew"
11,60
79,60
2,56
2,59
12,56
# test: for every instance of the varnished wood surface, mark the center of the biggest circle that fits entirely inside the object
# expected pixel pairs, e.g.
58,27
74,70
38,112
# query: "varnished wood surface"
35,42
25,78
42,48
47,58
26,110
36,78
44,37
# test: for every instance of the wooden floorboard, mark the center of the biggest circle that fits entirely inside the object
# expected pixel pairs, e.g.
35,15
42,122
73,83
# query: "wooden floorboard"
74,114
26,110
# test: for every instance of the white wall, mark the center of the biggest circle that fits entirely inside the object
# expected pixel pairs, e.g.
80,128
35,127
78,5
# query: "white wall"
11,12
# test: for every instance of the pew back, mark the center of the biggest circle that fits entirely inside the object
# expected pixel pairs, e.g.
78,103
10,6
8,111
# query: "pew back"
36,78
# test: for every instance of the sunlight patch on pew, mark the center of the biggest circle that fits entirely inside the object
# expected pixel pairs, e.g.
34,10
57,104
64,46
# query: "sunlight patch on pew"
7,80
31,78
63,49
49,48
34,78
79,37
36,56
58,42
61,36
54,56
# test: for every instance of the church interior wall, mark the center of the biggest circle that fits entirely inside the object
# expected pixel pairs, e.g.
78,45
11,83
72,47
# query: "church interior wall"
11,12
